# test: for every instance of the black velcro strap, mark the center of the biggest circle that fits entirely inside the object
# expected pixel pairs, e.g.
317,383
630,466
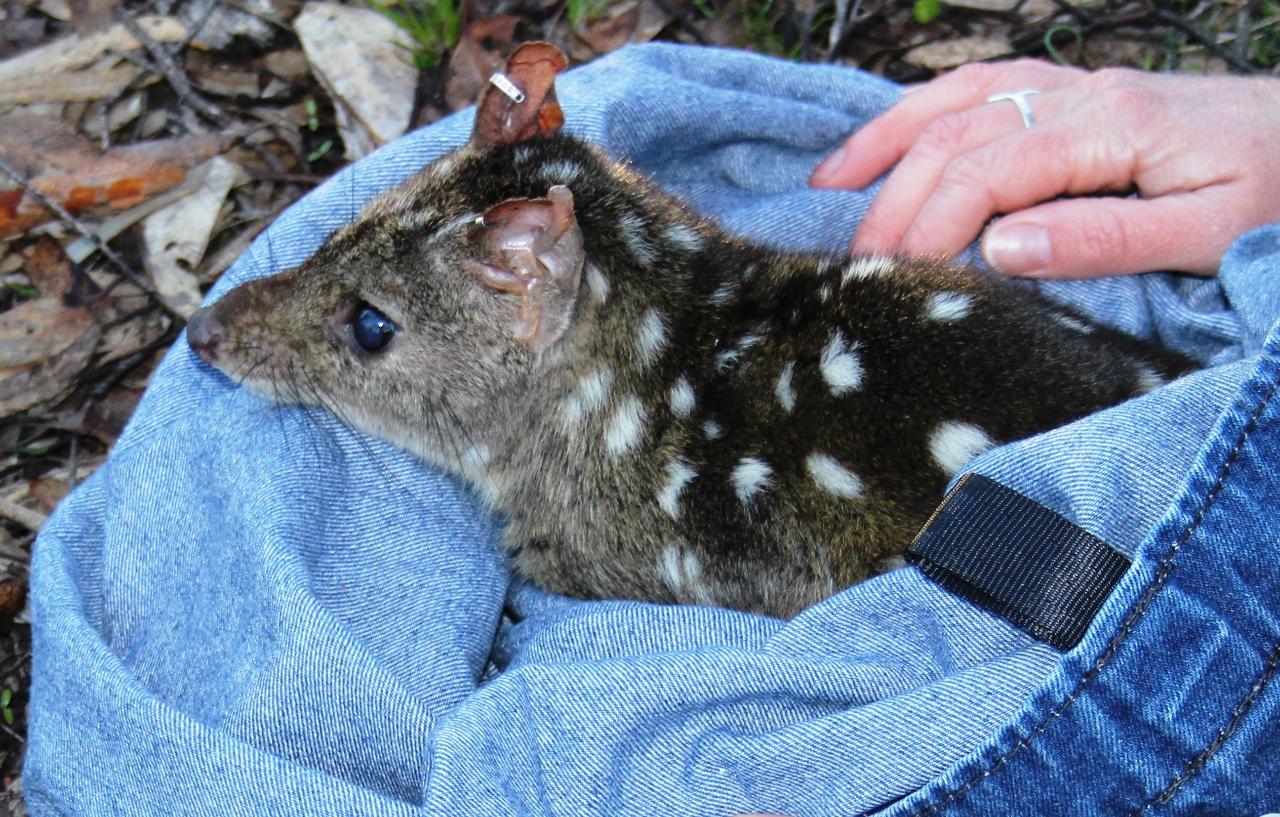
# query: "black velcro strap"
1020,560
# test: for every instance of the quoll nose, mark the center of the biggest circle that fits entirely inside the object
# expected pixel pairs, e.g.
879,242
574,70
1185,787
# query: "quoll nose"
204,333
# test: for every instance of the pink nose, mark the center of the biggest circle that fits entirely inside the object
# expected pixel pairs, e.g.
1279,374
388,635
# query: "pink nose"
204,333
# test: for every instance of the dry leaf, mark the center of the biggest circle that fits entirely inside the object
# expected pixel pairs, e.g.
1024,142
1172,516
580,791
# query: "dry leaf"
614,32
80,86
67,168
36,330
47,494
354,55
1032,9
176,237
106,418
23,388
13,594
951,53
80,50
48,269
478,54
252,21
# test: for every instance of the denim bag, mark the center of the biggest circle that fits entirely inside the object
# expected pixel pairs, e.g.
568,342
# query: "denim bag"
250,609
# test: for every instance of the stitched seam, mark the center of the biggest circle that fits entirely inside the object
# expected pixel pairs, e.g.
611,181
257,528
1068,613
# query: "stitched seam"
1196,764
1163,570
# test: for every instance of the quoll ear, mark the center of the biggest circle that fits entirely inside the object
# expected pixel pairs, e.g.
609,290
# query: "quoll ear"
533,248
500,119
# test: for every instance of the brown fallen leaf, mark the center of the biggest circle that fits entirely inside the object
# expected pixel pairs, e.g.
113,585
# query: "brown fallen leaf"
106,418
34,331
79,50
67,168
47,493
613,32
478,54
48,268
79,86
47,382
951,53
13,594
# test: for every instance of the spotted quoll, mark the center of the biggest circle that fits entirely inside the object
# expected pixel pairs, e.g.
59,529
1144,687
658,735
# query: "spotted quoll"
660,410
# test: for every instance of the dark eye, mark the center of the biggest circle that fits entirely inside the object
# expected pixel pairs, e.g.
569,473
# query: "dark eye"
370,329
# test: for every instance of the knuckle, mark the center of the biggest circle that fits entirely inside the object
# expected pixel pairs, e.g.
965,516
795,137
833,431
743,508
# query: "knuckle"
944,136
965,172
975,76
1103,237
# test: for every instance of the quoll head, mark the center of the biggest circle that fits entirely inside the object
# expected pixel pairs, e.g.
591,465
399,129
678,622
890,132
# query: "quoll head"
409,321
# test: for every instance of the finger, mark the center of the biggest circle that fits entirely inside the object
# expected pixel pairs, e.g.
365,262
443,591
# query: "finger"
918,174
880,143
1089,237
1016,172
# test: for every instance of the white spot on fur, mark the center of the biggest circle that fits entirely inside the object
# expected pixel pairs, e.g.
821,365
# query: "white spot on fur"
1072,322
454,225
417,217
591,394
786,394
1149,379
444,165
833,477
684,237
948,306
683,574
560,170
866,267
722,294
625,427
698,589
953,444
651,338
748,271
727,359
750,477
679,474
670,569
682,398
523,154
840,365
825,292
712,429
597,283
635,232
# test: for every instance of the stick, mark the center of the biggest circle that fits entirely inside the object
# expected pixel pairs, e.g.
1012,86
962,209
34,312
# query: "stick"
27,518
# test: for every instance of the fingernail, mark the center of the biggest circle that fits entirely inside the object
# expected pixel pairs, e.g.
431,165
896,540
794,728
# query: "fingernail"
824,172
1018,249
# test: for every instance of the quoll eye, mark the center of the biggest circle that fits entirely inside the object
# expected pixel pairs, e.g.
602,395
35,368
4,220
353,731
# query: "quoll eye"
370,329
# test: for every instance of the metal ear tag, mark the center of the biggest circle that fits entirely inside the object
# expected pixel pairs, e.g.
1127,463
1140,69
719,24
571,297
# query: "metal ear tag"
507,87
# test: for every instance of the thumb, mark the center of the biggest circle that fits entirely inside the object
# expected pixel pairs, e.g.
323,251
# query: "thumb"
1091,237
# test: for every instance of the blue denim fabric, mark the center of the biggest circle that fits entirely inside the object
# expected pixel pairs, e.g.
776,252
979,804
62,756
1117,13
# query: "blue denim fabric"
253,609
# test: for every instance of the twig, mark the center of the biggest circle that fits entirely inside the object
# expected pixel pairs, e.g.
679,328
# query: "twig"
93,238
169,69
1203,37
27,518
107,378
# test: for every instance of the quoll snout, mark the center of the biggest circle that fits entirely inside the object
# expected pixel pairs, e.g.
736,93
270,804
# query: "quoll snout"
204,332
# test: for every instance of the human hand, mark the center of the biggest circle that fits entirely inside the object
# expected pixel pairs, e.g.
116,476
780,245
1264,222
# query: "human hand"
1200,152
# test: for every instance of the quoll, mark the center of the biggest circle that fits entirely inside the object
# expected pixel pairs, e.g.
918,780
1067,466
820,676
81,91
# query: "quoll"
662,411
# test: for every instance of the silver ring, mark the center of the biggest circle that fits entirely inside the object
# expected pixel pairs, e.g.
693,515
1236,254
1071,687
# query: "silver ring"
1018,98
